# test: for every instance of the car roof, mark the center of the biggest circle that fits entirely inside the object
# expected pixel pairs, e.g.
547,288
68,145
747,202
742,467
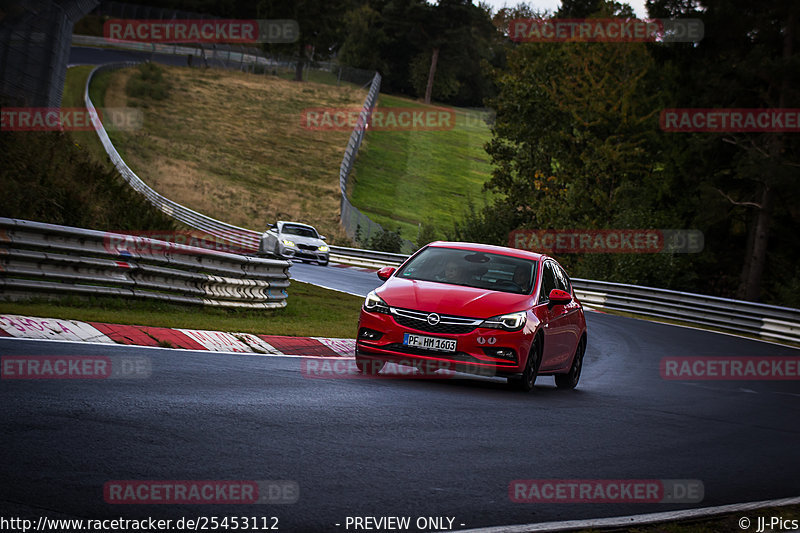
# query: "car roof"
489,248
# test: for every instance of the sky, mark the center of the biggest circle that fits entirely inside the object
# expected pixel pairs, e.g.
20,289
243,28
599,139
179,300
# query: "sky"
553,5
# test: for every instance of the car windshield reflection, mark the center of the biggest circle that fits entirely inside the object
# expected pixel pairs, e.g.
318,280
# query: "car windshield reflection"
480,270
300,231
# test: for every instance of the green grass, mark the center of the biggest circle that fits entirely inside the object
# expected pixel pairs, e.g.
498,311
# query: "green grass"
73,97
404,179
310,311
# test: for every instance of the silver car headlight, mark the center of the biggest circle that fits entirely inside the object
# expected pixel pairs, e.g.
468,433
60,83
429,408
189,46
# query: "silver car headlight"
323,248
509,322
287,242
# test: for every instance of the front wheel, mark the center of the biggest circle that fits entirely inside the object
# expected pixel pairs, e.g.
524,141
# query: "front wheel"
525,384
570,379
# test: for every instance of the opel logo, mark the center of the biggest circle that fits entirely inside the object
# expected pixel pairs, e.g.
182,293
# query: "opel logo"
433,319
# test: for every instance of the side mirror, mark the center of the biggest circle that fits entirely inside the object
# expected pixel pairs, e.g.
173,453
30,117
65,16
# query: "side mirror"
559,297
323,237
386,272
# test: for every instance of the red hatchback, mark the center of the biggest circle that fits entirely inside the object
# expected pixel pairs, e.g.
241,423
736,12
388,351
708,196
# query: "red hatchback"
475,308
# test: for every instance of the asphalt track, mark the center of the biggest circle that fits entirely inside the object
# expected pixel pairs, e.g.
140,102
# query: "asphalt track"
367,447
399,447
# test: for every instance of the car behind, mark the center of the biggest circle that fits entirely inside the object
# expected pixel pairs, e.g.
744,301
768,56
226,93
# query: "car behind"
293,240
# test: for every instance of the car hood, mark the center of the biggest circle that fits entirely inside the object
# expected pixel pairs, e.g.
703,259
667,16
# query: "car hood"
443,298
311,241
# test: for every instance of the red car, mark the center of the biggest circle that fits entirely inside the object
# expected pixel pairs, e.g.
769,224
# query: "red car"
475,308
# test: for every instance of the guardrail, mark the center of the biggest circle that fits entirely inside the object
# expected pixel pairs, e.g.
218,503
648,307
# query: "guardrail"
244,238
225,53
355,223
767,321
45,258
365,258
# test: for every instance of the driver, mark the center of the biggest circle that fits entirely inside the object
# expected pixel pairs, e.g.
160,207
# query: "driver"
522,277
454,273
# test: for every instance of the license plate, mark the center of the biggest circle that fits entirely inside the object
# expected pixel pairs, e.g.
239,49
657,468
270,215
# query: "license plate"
429,343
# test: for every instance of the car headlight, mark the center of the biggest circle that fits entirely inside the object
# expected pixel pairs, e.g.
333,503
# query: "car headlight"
287,242
375,304
323,248
509,322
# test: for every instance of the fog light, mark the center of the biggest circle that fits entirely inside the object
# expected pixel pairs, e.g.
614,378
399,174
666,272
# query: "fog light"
369,334
501,353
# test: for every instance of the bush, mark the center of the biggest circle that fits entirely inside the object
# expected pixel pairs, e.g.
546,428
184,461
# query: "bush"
148,83
47,177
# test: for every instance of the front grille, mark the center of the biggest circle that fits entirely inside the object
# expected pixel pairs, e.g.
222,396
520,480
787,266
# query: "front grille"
448,325
307,247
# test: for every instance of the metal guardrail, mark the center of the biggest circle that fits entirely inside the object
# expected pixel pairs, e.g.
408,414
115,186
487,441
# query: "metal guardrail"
767,321
45,258
227,54
365,258
356,223
243,238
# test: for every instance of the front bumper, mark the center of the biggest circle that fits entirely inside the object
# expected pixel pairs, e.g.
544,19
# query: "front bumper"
381,337
308,255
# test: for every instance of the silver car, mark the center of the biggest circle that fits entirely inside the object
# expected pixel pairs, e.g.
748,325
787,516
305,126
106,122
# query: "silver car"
292,240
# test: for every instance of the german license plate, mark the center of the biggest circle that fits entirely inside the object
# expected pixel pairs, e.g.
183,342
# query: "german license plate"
429,343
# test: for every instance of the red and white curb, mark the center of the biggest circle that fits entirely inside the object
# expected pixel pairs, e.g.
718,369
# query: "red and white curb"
28,327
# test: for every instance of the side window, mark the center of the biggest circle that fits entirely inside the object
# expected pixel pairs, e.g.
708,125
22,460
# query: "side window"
562,280
548,282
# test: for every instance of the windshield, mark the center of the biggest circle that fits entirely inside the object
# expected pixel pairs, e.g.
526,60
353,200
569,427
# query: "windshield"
301,231
481,270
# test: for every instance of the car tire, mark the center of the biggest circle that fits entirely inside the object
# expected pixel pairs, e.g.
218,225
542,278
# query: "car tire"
370,367
569,380
528,379
322,264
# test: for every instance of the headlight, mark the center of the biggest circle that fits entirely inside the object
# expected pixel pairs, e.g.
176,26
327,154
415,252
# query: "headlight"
323,248
509,322
375,304
287,242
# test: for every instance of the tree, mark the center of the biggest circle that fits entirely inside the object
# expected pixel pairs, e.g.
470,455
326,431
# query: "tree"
748,59
320,25
576,145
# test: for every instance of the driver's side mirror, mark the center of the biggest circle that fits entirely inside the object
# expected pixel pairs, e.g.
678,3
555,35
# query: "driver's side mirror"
559,297
386,273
